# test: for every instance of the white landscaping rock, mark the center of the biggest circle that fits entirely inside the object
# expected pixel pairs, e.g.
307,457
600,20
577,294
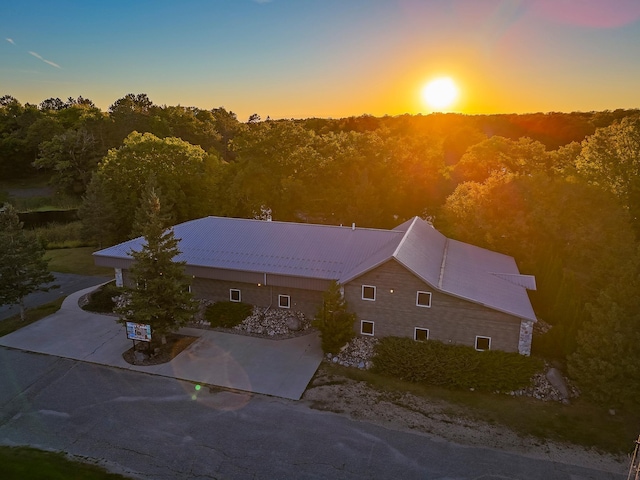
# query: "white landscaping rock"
274,322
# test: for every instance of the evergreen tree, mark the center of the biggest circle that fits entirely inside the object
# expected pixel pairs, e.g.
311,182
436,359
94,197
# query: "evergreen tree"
23,268
161,296
334,320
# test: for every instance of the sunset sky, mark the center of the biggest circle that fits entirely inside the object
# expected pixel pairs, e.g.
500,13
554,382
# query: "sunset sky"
329,58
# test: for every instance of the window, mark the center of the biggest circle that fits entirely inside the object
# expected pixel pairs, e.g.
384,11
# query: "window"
368,292
421,334
284,301
483,343
366,328
423,299
234,295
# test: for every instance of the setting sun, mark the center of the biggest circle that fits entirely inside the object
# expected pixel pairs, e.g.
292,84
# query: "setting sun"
440,93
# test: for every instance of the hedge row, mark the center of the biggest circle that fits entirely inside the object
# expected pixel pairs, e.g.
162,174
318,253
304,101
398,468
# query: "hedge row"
227,314
454,366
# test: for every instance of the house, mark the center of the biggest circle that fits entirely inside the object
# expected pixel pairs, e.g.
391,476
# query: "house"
410,281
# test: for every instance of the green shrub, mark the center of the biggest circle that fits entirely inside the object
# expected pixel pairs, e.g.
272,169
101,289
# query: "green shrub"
227,314
101,300
453,366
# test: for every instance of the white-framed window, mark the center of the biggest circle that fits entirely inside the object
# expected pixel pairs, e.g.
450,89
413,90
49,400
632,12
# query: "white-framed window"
235,295
366,327
284,301
369,292
483,343
420,334
423,299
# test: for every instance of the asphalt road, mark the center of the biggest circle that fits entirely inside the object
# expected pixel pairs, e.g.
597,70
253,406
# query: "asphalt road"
68,283
160,428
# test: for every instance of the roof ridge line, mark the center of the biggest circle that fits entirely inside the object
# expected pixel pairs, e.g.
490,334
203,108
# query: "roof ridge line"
519,279
404,237
284,222
444,261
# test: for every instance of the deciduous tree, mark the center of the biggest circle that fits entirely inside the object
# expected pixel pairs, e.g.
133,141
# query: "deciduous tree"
499,155
605,363
73,156
611,159
182,171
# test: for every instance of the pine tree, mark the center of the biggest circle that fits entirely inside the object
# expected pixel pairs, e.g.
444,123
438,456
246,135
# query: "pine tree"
334,320
161,296
23,268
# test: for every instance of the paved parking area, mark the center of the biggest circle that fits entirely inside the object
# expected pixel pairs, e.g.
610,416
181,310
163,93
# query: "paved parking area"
281,368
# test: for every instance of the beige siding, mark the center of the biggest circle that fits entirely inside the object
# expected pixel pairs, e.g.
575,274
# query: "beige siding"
305,301
449,319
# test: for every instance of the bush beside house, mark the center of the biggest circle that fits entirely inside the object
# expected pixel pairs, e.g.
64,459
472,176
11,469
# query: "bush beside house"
454,366
227,314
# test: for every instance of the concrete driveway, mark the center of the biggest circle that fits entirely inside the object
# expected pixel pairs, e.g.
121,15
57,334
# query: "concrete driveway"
281,368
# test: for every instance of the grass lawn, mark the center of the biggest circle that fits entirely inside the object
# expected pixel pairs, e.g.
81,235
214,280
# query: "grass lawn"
24,463
14,323
76,260
34,181
579,423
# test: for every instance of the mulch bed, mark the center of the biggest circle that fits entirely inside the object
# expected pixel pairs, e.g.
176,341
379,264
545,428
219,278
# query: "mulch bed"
159,353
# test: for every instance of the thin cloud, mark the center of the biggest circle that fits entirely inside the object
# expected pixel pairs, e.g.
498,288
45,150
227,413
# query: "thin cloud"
44,59
10,40
262,1
52,63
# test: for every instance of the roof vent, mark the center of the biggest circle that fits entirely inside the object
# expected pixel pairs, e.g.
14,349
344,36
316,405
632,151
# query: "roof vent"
353,226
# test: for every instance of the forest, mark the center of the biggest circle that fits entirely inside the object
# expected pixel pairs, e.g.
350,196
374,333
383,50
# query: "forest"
560,192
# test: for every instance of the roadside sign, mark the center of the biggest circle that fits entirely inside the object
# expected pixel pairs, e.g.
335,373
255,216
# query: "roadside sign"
139,331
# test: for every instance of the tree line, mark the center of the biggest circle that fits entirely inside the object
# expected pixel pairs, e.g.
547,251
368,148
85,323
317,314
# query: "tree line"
559,191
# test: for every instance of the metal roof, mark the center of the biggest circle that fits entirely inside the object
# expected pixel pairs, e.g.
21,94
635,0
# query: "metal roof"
345,253
470,272
295,249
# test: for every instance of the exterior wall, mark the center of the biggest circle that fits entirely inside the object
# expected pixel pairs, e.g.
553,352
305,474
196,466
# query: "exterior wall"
305,301
449,319
302,300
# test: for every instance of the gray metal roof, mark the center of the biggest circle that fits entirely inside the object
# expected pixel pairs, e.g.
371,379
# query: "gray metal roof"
470,272
343,254
295,249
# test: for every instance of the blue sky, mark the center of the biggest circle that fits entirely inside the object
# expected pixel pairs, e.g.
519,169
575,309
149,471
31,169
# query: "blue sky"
331,58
